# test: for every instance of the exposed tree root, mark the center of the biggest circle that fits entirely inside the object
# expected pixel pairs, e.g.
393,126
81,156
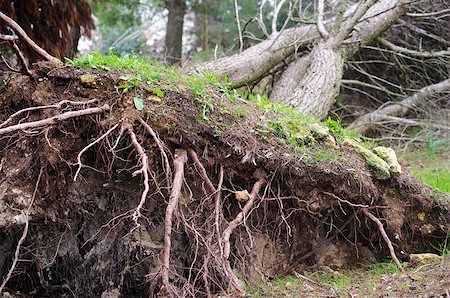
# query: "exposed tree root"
178,164
386,238
260,175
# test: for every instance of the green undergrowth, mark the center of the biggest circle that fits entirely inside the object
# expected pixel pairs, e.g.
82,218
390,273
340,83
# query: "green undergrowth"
276,119
431,164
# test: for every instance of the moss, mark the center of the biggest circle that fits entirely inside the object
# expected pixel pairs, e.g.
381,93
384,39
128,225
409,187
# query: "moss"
380,168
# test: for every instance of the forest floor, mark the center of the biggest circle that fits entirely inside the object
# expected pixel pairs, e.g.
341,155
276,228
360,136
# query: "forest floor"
156,182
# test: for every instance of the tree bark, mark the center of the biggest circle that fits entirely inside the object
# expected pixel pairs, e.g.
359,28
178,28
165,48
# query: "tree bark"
312,83
400,109
174,33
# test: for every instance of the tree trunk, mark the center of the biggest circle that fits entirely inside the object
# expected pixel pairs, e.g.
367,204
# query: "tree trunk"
400,109
174,33
310,83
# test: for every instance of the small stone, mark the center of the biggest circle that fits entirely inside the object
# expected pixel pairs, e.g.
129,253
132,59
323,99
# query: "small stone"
242,195
154,98
421,216
88,79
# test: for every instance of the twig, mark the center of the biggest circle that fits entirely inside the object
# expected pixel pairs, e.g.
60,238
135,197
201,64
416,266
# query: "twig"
178,165
385,237
53,120
11,23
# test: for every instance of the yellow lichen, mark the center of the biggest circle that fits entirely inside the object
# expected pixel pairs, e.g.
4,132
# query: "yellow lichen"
380,168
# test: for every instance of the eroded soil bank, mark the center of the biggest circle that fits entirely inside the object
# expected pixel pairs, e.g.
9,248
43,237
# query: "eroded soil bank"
169,203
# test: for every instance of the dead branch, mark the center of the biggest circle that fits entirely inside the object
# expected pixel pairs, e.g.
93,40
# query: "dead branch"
370,120
54,119
11,23
178,165
260,175
412,53
323,32
385,237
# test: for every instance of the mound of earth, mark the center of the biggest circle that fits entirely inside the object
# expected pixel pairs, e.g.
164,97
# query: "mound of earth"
108,191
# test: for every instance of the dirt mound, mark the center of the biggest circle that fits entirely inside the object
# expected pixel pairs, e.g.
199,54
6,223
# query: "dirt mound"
105,190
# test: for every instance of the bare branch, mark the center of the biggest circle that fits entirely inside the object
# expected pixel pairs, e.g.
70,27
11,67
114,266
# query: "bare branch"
238,22
276,12
369,120
413,53
323,32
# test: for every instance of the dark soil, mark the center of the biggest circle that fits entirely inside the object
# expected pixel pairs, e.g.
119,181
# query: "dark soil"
83,242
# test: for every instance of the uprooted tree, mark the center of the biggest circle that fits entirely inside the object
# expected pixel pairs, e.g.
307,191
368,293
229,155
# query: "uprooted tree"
189,192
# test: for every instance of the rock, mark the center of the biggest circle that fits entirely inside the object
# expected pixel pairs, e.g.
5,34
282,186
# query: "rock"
318,131
389,156
380,168
242,196
422,259
88,79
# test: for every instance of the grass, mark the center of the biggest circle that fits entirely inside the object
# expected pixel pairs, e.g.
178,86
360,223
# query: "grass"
437,178
282,121
431,164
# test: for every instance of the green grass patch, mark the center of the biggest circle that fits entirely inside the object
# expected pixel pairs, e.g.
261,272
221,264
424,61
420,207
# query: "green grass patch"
438,178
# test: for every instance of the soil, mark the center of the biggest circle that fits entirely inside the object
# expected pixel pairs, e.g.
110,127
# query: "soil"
278,208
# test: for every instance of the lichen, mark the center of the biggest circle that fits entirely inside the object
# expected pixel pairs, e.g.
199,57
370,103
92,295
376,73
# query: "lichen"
389,156
380,168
